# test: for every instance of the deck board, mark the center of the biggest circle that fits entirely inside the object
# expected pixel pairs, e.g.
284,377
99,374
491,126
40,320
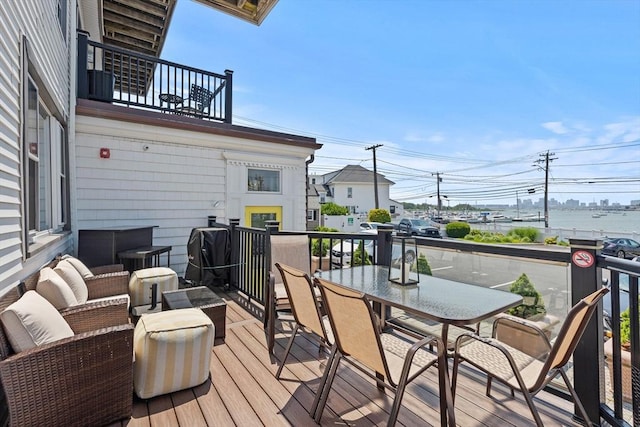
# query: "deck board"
243,390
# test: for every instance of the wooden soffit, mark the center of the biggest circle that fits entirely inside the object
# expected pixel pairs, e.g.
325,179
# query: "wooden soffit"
138,25
253,11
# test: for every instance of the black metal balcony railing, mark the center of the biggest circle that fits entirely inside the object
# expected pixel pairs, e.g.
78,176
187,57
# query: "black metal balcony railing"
112,74
250,260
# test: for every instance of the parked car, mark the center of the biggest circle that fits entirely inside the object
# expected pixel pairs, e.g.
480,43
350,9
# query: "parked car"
369,227
418,227
343,251
621,247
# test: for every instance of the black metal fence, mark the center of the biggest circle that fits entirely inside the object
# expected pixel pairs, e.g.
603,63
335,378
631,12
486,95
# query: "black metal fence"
112,74
251,258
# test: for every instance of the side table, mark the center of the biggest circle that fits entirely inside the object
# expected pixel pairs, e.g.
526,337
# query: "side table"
199,297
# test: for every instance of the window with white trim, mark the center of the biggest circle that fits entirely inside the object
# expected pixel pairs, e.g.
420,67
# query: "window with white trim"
45,185
266,180
349,192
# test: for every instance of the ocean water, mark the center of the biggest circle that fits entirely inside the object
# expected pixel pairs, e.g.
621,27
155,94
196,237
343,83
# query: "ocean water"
623,222
577,223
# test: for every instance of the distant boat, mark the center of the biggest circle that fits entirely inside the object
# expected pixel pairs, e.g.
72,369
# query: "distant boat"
596,216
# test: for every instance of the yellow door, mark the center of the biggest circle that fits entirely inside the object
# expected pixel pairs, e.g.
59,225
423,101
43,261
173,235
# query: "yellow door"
256,216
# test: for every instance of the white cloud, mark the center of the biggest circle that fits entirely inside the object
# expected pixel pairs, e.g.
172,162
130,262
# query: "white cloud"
555,127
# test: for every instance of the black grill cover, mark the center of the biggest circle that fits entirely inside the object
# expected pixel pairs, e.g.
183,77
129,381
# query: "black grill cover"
209,252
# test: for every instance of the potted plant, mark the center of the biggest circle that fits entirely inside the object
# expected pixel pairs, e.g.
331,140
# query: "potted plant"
534,312
319,249
625,356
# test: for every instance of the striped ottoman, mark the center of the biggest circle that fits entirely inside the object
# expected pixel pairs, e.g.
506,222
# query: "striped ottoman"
141,281
172,351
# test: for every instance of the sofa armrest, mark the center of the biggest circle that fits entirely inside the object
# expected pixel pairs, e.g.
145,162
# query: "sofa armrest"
86,377
103,269
96,315
109,284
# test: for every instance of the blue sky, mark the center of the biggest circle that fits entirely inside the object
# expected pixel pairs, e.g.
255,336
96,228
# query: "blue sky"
472,90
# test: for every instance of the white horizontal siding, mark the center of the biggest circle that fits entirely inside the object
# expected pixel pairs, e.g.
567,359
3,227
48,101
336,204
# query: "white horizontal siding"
37,19
173,179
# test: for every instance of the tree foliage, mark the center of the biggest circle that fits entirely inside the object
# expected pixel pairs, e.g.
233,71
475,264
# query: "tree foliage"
458,229
332,208
533,302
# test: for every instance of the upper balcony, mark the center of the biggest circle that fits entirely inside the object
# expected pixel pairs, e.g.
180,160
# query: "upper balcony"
120,76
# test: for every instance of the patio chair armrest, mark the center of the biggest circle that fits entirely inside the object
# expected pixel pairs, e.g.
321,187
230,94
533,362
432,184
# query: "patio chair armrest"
97,315
111,268
108,284
86,377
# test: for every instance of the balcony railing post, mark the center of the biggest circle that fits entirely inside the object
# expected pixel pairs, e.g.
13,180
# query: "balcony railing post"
82,77
589,353
228,94
384,242
234,223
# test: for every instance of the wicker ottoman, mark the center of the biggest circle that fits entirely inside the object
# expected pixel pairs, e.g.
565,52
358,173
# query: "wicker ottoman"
172,351
141,281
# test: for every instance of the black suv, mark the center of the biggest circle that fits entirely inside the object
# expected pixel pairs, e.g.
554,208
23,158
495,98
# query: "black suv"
418,227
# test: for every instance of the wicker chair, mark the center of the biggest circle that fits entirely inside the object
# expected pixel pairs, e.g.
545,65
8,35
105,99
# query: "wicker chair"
520,371
83,380
359,341
108,281
304,307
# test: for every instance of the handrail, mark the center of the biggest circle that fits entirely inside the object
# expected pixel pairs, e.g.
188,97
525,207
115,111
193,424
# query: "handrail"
113,74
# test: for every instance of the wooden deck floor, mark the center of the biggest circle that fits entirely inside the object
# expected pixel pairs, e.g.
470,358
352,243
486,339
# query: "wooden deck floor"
243,391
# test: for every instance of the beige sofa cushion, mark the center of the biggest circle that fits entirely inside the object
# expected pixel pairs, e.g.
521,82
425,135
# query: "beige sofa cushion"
32,321
78,265
55,289
73,278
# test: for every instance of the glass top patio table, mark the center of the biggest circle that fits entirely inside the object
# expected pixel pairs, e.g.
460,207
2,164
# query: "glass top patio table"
445,301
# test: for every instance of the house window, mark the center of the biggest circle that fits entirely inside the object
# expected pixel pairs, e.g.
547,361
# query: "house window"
62,17
312,215
323,198
349,192
263,180
45,168
392,209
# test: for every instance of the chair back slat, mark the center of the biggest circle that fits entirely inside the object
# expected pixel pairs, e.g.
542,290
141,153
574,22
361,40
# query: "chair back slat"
572,330
353,325
201,95
304,304
291,250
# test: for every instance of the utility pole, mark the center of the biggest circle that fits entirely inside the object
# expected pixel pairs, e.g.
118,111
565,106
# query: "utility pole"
545,158
438,181
375,173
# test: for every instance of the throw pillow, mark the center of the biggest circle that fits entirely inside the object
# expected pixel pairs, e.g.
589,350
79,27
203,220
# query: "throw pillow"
32,321
78,265
73,279
54,289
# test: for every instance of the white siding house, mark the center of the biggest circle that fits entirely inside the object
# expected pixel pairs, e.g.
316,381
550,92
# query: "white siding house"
174,178
162,170
353,187
36,57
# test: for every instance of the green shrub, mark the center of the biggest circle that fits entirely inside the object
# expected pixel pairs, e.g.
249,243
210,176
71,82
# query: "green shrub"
356,257
530,232
551,240
379,215
457,229
625,328
422,265
333,209
318,249
523,286
326,229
